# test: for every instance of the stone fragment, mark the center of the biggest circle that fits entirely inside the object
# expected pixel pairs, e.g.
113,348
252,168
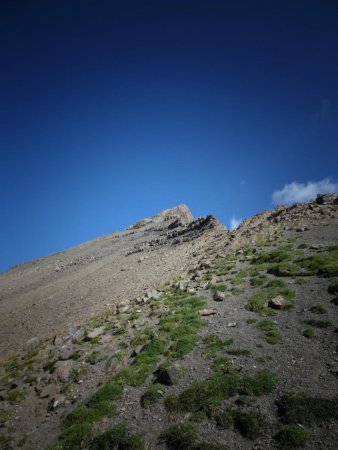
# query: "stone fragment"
63,370
219,296
65,353
153,294
95,333
207,312
31,344
123,308
50,391
232,324
168,377
58,400
277,302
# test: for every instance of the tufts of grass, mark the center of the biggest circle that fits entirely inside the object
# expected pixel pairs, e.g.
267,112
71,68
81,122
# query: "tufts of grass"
249,424
251,321
300,281
302,408
213,344
309,333
117,438
333,286
181,436
263,383
302,246
288,269
258,280
239,352
291,437
318,309
203,395
16,395
274,256
218,287
325,264
152,395
257,302
318,323
225,419
270,331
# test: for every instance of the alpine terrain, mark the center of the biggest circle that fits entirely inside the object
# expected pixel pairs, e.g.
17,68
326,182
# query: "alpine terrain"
177,334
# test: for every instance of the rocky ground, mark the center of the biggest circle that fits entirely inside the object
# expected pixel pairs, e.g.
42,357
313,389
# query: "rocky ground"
235,346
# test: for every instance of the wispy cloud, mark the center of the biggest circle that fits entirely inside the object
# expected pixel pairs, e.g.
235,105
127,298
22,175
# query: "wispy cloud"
234,222
303,192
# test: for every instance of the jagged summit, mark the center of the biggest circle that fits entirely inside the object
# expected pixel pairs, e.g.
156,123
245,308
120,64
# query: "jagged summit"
179,213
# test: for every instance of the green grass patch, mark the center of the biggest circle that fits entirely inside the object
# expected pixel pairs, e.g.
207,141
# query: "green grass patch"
309,333
213,344
325,264
258,301
181,436
302,408
333,286
16,395
274,256
263,383
117,438
251,425
251,321
218,287
258,280
318,323
291,437
318,309
239,352
270,331
152,395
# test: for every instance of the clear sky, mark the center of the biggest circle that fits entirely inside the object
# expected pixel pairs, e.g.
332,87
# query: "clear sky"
115,110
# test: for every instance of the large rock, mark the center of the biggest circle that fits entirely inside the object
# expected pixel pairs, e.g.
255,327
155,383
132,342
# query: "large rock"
168,377
63,370
278,302
219,296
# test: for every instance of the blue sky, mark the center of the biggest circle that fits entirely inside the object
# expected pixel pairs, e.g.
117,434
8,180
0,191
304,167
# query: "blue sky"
114,110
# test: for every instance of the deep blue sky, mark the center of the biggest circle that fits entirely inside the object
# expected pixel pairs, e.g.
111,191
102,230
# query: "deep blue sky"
114,110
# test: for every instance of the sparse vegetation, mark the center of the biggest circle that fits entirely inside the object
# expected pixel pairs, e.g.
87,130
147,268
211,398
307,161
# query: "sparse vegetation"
117,438
318,323
213,344
291,437
301,408
239,352
258,301
270,331
152,395
333,286
309,333
249,424
318,309
181,436
264,382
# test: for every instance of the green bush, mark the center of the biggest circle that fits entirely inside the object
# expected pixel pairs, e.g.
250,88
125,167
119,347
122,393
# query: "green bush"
117,438
182,436
270,331
152,395
291,437
251,425
333,286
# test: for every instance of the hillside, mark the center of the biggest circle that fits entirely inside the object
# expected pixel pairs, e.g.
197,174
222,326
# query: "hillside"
177,333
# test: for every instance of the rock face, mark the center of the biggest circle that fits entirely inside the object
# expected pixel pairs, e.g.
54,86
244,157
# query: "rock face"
51,295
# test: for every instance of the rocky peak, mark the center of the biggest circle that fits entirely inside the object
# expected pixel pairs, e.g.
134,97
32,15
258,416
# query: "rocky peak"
180,213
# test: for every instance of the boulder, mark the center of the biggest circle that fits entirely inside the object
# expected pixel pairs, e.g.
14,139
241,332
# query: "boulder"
219,296
63,370
167,377
51,390
278,302
95,333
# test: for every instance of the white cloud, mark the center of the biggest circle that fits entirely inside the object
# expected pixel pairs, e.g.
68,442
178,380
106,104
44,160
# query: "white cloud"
234,223
301,192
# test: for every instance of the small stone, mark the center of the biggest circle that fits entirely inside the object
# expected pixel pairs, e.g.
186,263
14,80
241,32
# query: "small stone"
219,296
50,391
191,290
232,324
63,370
207,312
95,333
65,353
31,344
58,400
153,294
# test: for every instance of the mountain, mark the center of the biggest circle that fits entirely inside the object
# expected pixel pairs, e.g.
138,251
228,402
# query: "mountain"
177,333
